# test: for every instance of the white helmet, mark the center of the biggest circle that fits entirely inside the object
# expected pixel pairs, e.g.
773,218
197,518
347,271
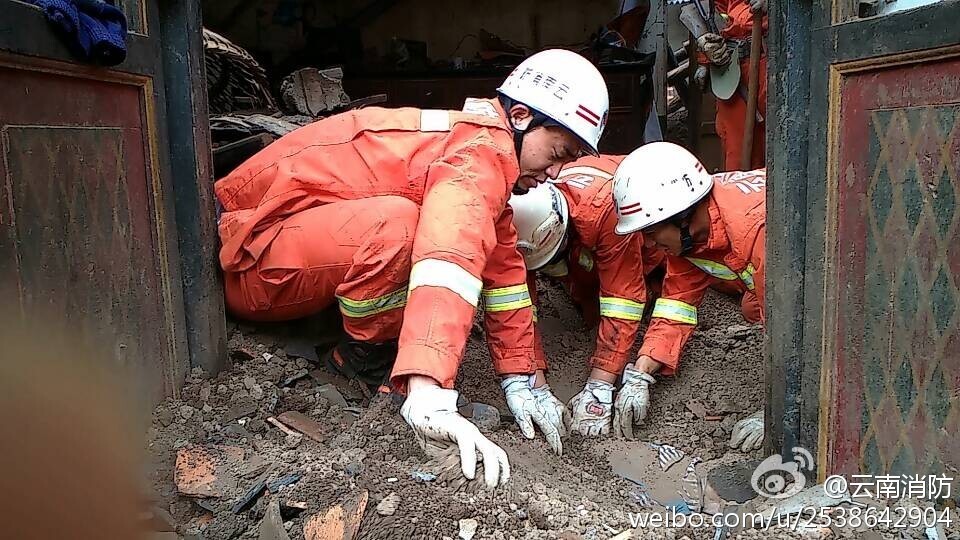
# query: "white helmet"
540,217
566,88
656,182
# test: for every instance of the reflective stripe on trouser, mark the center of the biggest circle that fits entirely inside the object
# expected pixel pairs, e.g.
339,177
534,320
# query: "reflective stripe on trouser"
675,310
506,298
358,251
373,306
440,273
747,276
713,268
620,308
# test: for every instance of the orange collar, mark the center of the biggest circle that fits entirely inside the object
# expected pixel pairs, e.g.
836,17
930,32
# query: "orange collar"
717,235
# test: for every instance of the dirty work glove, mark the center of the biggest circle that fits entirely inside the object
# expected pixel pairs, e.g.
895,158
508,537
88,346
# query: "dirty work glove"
592,409
757,6
714,48
555,410
748,433
527,410
432,413
632,403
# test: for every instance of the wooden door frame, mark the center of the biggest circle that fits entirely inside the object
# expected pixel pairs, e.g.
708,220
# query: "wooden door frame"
807,51
182,151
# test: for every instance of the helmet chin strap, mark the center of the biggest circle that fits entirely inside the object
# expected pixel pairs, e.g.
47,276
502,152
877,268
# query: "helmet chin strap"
682,222
538,119
686,240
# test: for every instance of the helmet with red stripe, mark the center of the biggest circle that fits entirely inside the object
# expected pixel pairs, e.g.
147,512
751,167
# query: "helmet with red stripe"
566,88
656,182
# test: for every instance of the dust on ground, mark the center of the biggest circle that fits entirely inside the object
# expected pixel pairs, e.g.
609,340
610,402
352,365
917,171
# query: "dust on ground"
367,446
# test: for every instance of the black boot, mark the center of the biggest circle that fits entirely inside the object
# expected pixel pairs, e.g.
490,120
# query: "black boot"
369,363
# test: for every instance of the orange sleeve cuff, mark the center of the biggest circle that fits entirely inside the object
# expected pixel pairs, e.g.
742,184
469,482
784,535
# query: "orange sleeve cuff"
513,361
418,359
665,350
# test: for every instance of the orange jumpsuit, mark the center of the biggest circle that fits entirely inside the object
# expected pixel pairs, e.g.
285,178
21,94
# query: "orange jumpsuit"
733,253
601,264
732,112
400,216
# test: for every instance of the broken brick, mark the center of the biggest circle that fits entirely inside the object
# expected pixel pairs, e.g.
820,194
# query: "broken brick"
340,522
207,471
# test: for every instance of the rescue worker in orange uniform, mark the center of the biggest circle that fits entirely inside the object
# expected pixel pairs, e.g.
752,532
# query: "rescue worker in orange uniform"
718,50
567,230
400,216
712,228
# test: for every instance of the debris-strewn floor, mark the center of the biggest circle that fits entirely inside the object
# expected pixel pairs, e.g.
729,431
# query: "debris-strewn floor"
367,447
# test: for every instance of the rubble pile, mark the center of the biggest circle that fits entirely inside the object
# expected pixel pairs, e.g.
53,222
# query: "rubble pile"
279,448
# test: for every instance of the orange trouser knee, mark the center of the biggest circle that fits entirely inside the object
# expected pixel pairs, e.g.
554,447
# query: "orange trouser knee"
731,114
357,252
750,306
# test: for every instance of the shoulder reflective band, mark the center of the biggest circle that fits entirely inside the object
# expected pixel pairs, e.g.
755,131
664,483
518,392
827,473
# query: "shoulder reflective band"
437,273
620,308
747,276
715,269
584,169
585,260
373,306
506,298
675,310
434,120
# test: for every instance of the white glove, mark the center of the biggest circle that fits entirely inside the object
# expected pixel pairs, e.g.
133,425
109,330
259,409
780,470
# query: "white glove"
757,6
715,48
633,400
432,413
557,413
593,409
748,433
528,409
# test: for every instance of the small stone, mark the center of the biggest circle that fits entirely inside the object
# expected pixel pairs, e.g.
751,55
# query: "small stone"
513,507
388,505
468,528
164,416
539,488
249,382
256,392
288,525
727,424
207,408
503,518
187,411
391,480
289,456
222,390
205,392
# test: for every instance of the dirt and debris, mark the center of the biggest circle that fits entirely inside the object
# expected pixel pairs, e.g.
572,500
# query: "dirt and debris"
352,466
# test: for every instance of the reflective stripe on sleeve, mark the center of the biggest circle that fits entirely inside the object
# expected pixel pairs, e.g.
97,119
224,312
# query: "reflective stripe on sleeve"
675,310
620,308
506,298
